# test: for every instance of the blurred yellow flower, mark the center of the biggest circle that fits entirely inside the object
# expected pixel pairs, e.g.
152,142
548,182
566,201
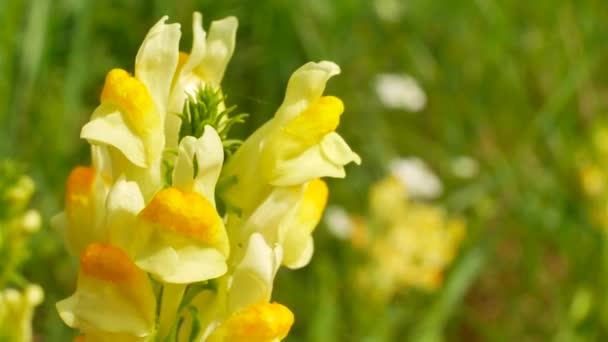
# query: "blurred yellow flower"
413,242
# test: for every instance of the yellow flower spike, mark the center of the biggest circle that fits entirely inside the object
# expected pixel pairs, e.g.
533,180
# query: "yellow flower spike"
319,119
108,263
185,213
132,97
257,323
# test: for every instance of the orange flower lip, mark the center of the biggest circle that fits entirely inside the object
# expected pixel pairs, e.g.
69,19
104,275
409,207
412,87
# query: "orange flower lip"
132,97
107,262
260,322
79,189
185,213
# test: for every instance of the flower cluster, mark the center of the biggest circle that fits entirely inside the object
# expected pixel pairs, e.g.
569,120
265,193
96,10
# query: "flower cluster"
180,235
18,298
408,242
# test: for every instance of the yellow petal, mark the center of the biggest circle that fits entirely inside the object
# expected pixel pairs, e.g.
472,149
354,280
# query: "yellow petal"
185,213
109,281
319,119
108,263
132,97
256,323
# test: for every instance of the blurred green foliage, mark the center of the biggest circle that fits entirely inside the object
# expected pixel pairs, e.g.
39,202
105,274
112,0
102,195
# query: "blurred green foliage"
516,85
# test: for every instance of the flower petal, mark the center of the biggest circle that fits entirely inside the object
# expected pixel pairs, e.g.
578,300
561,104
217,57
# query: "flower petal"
209,153
300,254
199,43
304,87
123,203
156,62
184,265
109,282
219,50
109,127
253,277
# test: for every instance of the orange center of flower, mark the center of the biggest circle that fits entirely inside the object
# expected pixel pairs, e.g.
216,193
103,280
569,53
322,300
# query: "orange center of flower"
78,192
259,322
107,262
131,96
185,213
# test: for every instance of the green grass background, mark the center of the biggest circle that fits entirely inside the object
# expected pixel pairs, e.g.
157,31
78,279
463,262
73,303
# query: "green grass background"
517,85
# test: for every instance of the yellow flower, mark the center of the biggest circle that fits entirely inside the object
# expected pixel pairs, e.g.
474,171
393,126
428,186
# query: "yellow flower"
114,299
287,217
299,144
262,322
82,221
129,122
277,164
248,285
183,239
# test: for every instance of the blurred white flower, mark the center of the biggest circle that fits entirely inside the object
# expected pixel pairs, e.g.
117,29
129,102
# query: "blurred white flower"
338,222
389,10
464,167
31,221
417,177
400,92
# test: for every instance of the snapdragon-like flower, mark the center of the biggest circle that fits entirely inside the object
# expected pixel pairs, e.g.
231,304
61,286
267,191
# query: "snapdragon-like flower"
160,259
129,122
277,170
113,298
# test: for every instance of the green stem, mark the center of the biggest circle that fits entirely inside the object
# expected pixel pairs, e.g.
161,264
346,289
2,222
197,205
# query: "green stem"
169,304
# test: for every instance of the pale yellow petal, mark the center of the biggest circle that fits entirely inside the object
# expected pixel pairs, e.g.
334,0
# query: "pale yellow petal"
219,50
156,62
